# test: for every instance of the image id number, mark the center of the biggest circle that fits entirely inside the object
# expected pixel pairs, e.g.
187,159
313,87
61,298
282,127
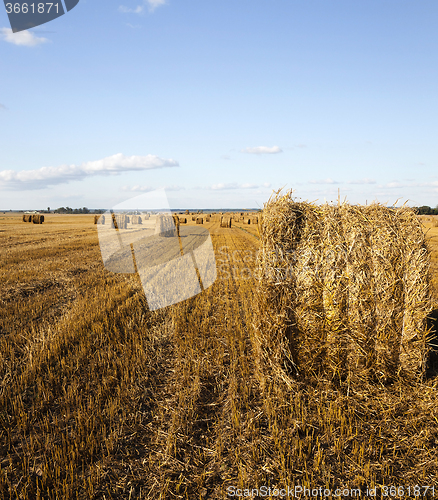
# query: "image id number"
34,8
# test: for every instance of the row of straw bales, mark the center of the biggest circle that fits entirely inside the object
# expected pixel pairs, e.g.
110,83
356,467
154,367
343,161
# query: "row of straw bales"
35,218
133,219
343,292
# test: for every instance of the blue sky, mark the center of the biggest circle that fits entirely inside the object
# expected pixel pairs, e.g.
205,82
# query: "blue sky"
220,103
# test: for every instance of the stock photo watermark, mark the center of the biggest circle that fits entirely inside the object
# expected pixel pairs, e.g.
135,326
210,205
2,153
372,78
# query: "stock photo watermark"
24,14
141,235
298,491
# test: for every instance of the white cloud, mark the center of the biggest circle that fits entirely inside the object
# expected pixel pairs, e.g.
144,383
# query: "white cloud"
262,150
135,189
232,185
111,165
397,184
146,189
151,4
325,181
126,10
363,181
26,38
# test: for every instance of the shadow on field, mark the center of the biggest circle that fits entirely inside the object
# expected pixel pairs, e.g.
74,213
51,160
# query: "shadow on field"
432,364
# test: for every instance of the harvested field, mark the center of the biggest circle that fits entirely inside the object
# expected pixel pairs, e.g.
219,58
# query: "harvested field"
101,398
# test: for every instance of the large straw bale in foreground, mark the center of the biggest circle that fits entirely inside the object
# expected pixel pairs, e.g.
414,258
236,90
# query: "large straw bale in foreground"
343,292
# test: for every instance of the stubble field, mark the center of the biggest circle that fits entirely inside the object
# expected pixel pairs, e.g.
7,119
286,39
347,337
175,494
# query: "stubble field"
101,398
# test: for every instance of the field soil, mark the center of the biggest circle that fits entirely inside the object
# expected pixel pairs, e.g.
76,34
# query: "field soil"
101,398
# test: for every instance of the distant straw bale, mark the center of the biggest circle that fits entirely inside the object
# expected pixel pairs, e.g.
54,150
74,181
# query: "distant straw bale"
120,221
183,220
37,218
136,219
199,220
225,222
343,292
165,225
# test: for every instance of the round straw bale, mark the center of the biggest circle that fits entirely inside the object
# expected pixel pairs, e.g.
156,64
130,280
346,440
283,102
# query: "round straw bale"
225,222
199,220
37,218
165,225
342,292
120,221
135,219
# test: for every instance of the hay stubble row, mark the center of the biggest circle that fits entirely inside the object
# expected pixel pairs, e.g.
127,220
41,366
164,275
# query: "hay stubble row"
107,399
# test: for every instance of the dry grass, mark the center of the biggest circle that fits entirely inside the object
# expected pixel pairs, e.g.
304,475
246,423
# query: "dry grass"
100,398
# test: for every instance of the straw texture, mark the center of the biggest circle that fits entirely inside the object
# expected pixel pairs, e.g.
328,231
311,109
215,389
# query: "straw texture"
343,292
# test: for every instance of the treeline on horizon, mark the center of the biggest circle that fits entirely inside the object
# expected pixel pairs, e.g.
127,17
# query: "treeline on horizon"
423,210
